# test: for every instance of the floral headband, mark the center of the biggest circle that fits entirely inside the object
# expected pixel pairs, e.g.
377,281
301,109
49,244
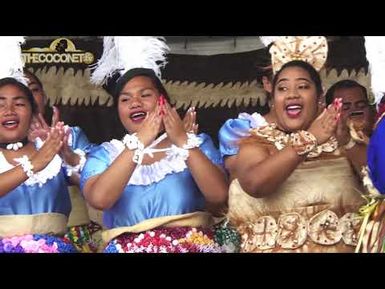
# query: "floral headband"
311,49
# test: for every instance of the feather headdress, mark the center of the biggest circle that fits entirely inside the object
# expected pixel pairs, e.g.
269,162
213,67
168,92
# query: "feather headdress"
120,54
375,54
266,40
11,62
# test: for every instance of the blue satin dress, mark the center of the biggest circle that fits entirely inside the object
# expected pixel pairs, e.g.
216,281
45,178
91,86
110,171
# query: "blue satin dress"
50,197
80,140
175,194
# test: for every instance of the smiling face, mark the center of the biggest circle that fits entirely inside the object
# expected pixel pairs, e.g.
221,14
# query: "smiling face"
15,114
295,99
137,99
355,105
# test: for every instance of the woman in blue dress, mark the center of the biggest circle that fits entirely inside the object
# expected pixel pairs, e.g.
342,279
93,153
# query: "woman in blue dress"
34,200
159,186
83,233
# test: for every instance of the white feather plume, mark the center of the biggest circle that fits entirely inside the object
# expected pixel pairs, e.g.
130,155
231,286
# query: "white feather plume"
266,40
375,54
128,52
11,62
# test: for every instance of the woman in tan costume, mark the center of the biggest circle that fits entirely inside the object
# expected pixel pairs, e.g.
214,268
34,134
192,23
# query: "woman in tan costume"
294,188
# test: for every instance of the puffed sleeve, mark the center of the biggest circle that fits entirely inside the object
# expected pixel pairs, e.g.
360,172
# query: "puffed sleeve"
230,134
234,130
79,140
98,160
208,148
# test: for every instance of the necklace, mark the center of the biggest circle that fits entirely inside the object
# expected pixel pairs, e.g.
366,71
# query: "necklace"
14,146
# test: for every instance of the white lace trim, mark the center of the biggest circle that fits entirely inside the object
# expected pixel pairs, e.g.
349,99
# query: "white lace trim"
40,178
173,162
79,167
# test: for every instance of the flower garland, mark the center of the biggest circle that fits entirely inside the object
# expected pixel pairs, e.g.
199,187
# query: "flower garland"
82,237
35,243
166,240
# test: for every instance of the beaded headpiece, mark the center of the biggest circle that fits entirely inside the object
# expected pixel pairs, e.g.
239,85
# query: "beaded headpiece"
311,49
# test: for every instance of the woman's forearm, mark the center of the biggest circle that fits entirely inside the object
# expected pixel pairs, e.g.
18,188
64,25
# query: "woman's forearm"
11,179
104,190
265,177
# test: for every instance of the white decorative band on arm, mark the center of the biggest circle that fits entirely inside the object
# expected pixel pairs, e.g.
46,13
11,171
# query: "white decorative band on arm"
138,156
78,168
192,141
132,142
27,166
183,153
303,142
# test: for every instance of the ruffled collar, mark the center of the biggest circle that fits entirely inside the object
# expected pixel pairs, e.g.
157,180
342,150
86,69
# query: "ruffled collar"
173,162
40,178
280,140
